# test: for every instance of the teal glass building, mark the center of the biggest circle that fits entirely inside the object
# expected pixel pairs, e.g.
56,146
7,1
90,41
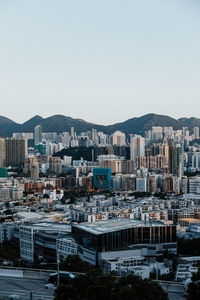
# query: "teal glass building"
102,178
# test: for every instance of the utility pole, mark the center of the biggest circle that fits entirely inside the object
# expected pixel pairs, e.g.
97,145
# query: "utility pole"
156,271
31,295
58,270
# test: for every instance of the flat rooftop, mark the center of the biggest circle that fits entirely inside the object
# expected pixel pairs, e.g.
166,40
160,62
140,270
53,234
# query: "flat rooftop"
48,226
190,220
101,227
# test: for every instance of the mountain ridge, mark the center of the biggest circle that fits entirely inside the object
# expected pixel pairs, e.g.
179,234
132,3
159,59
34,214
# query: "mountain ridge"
60,123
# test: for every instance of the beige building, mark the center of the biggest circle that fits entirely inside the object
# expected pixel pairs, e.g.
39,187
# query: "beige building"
196,133
2,153
29,161
119,138
35,172
31,167
55,165
117,164
165,150
137,147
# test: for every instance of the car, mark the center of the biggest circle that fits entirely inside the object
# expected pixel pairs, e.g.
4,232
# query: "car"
7,263
43,263
14,297
49,286
64,277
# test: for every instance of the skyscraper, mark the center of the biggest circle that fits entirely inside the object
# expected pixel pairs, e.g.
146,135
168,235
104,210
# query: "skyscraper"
95,136
165,150
137,147
196,133
37,135
34,172
2,153
176,160
55,165
16,151
29,161
119,138
157,133
72,131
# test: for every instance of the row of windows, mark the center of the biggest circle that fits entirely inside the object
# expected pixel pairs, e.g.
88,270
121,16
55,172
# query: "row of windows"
123,238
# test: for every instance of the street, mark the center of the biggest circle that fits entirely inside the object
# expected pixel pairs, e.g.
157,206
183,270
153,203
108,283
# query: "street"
23,287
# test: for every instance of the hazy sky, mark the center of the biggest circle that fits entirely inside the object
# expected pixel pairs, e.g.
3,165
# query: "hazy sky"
103,61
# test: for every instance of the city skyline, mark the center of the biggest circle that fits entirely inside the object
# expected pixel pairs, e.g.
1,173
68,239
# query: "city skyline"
100,149
88,59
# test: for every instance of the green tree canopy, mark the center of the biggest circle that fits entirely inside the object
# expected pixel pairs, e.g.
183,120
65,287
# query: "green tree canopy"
73,263
194,287
98,286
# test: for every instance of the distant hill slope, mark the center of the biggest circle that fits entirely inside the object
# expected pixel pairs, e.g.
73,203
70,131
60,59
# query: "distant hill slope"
189,122
139,125
61,123
7,126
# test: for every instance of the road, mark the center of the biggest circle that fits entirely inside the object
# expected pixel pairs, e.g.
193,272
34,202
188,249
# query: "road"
23,287
175,290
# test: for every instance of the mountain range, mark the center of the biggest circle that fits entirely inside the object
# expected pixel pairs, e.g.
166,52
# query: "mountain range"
61,123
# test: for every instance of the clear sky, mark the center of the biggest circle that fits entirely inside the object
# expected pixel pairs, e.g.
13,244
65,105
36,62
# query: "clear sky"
103,61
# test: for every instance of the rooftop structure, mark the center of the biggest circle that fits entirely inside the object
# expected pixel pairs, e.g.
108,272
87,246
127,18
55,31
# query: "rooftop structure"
117,235
106,226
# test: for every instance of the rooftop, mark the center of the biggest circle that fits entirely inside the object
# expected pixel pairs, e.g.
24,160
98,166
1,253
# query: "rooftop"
48,226
189,220
101,227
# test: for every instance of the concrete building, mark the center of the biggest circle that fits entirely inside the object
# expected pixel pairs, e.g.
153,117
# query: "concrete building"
115,264
55,165
6,232
185,271
176,160
98,240
72,131
37,135
29,161
2,153
196,161
141,184
157,133
119,138
196,133
114,162
66,246
16,151
34,172
194,185
137,147
39,240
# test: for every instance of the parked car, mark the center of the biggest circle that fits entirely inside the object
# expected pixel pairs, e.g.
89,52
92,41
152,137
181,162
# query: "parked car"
14,297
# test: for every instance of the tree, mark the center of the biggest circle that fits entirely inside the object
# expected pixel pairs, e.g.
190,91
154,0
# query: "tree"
7,204
72,199
74,263
8,252
98,286
194,287
66,292
188,246
134,287
62,200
